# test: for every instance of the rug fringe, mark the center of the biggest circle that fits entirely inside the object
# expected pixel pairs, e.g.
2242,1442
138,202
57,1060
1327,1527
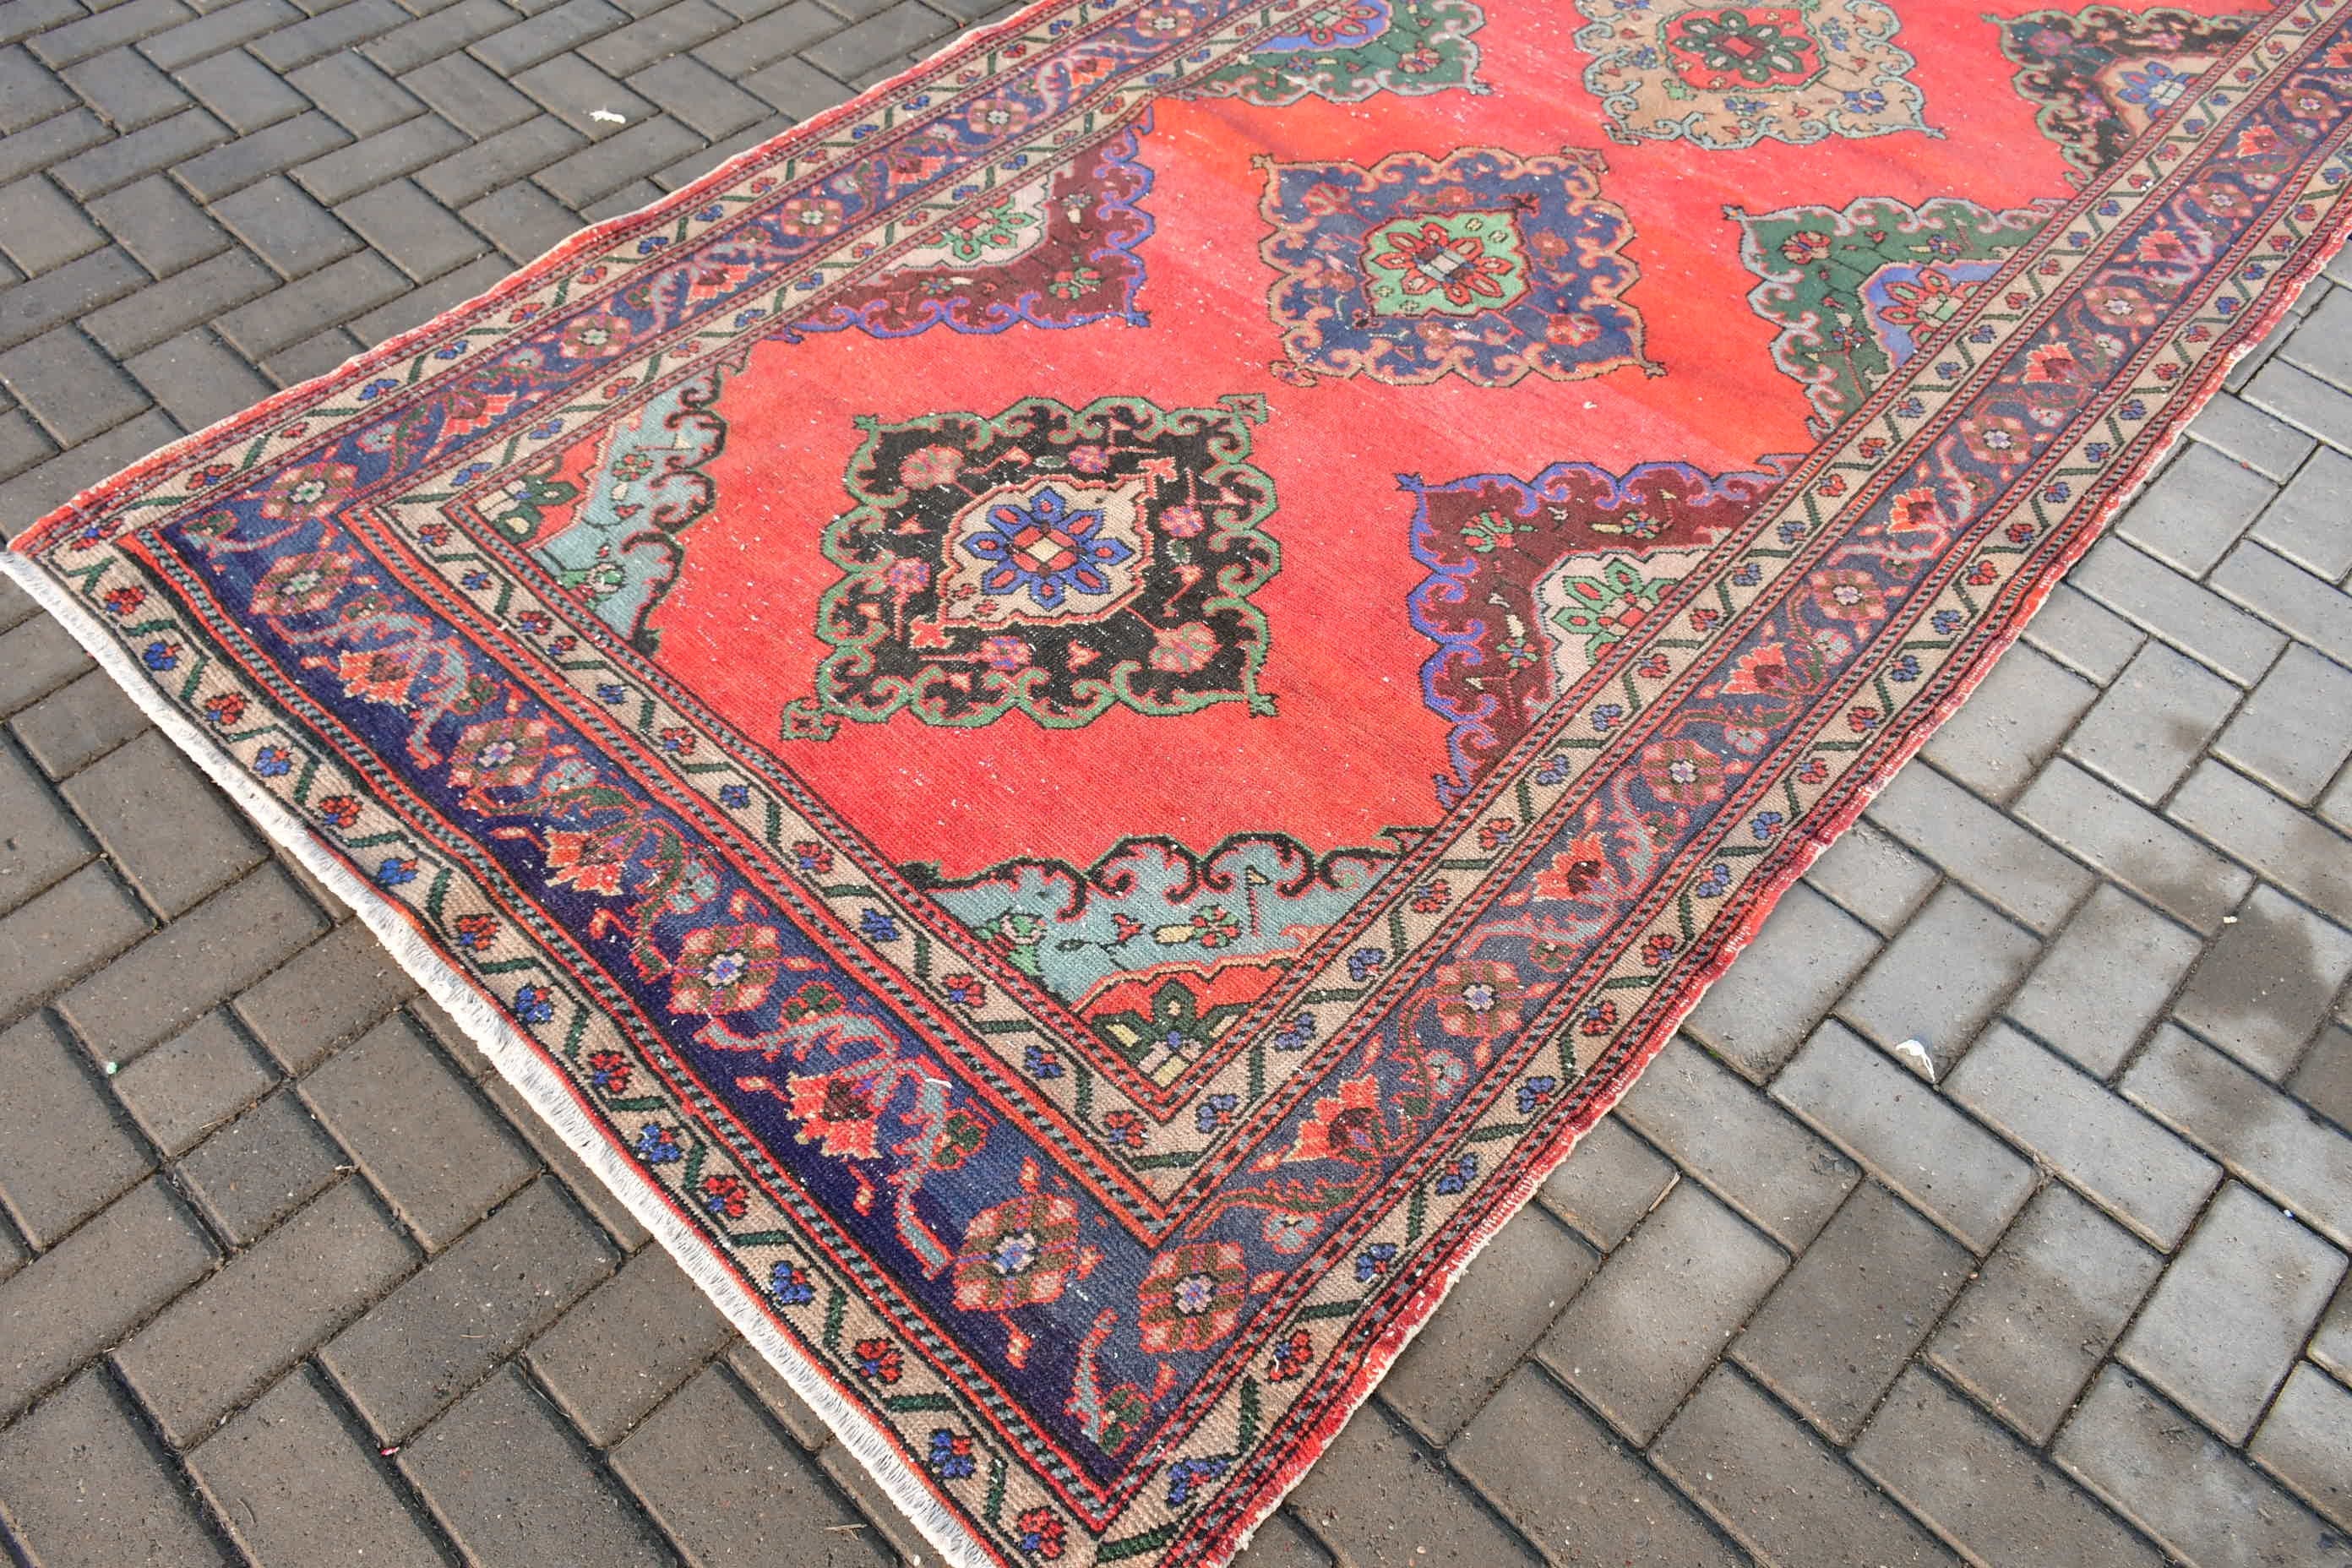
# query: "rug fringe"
521,1061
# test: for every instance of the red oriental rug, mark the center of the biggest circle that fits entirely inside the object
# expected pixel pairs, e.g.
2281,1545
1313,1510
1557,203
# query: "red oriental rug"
1073,722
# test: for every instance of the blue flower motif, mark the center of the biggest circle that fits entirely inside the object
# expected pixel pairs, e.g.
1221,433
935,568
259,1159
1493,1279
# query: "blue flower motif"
1765,825
789,1284
1374,1260
1534,1092
396,870
1554,769
273,761
2135,409
878,926
655,1145
1791,531
1216,1112
611,691
1045,547
1905,667
534,1005
734,797
652,243
1945,622
475,581
1605,717
1749,574
1715,883
1186,1474
1364,962
160,655
453,350
377,388
1040,1063
1296,1034
472,471
950,1454
1460,1175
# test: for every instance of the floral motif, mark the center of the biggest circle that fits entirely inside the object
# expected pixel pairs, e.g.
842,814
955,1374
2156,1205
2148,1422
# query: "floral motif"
2098,76
1480,264
1025,563
1019,1254
1730,76
1347,50
1856,292
1192,1297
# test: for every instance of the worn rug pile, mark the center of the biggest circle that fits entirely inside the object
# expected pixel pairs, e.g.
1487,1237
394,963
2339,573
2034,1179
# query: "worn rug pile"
1073,720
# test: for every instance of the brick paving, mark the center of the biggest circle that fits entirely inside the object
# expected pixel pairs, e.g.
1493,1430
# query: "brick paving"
285,1278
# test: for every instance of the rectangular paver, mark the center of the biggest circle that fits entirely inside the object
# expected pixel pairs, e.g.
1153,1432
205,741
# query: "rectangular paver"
1637,1338
2260,991
1511,1292
2136,1170
2221,1329
2105,979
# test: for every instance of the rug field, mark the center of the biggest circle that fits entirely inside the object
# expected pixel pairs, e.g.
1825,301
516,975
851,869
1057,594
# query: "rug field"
1073,720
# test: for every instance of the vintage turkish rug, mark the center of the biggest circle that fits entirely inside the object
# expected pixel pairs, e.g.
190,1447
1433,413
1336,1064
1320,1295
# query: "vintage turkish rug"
1072,721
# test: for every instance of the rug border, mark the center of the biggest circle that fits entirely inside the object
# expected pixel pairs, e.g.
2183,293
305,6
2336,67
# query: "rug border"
519,1057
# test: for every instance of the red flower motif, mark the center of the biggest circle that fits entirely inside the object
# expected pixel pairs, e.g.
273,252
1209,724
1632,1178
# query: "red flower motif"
225,707
1844,594
592,862
726,1196
475,933
838,1111
1682,772
878,1360
725,969
1192,1297
338,810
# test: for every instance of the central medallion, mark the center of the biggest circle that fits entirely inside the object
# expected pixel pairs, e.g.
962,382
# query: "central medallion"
1054,561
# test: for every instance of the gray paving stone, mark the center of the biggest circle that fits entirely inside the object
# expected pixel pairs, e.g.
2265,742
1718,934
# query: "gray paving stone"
1977,1487
1873,878
261,1167
66,731
2149,727
417,232
74,391
2304,401
2261,990
43,842
1941,978
325,995
1806,954
2331,1345
2306,1441
41,227
242,93
768,1385
1381,1506
1837,1329
511,1484
191,964
1906,1134
620,1352
586,1187
1588,1499
729,1488
2222,1327
2111,1152
124,87
436,33
1716,1126
354,93
177,857
2136,848
197,380
2200,624
1504,1302
2083,634
296,1485
1634,1341
2323,1081
89,1290
436,1153
2279,591
2010,724
2305,524
1281,1541
2251,825
2264,1138
2271,447
2196,509
85,1489
2325,349
74,1152
2031,1327
2200,1500
233,1335
405,148
2295,731
1606,1186
221,28
66,931
1984,851
691,91
449,1323
2105,979
1780,1494
36,657
194,1082
134,325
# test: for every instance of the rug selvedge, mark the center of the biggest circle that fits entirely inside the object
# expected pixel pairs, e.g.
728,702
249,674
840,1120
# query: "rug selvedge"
1664,858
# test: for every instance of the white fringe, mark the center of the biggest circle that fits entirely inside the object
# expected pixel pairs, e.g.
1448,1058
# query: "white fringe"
518,1059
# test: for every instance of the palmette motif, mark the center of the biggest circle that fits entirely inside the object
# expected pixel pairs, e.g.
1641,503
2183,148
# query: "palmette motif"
1092,1314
